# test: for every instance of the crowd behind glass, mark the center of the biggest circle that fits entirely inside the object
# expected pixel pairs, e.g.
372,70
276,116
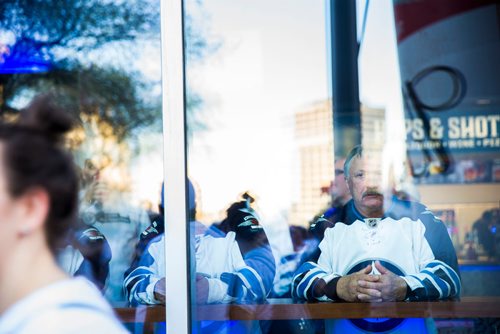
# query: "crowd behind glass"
121,248
372,244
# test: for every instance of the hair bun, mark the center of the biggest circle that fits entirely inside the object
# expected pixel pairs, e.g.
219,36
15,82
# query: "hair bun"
43,115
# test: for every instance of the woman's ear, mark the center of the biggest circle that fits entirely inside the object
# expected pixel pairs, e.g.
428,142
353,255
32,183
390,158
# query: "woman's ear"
33,210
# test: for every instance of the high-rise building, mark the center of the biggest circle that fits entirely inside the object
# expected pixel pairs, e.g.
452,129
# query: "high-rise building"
313,133
314,136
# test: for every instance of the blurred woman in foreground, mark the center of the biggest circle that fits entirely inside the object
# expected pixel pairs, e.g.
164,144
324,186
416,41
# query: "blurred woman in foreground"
38,205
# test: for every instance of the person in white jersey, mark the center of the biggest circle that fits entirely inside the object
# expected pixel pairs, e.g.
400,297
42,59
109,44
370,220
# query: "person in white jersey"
384,249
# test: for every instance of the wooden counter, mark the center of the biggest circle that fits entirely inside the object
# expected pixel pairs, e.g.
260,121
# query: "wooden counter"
280,309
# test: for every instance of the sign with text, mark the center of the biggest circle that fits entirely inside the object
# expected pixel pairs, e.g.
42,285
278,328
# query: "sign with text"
459,132
448,54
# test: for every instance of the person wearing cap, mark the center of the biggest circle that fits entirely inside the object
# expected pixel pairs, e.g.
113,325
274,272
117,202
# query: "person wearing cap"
233,266
143,281
237,266
386,249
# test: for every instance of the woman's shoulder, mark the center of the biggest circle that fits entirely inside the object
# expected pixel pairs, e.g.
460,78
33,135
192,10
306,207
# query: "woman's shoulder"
71,305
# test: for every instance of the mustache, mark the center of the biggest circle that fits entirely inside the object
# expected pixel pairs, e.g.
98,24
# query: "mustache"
372,192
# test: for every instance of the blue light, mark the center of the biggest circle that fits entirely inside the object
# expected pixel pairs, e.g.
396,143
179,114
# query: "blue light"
13,67
29,61
467,267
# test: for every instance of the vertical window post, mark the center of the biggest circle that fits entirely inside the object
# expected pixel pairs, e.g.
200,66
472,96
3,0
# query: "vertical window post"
176,227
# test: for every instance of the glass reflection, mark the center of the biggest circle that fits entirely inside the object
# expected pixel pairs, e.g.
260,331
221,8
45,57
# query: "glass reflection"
270,133
101,60
245,252
259,124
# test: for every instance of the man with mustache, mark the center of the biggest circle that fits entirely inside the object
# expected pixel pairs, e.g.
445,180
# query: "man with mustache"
386,249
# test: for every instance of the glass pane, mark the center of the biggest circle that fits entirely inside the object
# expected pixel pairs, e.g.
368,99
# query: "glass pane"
451,97
262,155
101,59
282,223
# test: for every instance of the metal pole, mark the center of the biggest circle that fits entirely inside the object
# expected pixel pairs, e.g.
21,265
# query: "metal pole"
343,49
